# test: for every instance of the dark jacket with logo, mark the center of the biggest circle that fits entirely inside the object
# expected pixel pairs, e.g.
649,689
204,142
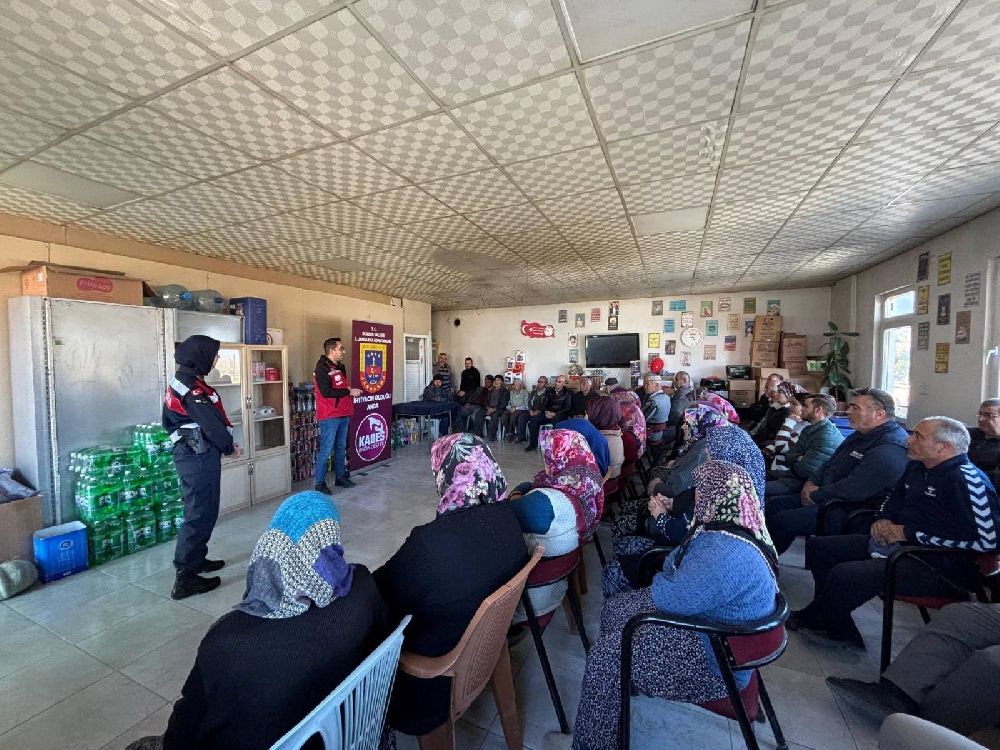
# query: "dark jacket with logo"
864,466
191,400
952,505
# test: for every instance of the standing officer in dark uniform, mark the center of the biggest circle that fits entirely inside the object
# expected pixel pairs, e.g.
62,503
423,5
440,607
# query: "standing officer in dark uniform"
196,420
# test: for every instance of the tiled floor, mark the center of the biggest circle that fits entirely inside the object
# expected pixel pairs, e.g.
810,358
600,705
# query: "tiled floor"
96,660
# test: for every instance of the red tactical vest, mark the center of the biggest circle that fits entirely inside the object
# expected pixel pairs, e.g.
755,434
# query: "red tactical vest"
328,408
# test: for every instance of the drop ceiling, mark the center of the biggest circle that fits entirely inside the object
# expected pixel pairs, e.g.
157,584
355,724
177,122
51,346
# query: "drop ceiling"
473,153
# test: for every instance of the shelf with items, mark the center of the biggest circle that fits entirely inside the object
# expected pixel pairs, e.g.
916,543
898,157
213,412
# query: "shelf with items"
304,431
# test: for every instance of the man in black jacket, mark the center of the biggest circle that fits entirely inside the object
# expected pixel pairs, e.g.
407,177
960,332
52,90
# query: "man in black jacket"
583,396
471,380
984,450
494,402
201,434
557,407
941,501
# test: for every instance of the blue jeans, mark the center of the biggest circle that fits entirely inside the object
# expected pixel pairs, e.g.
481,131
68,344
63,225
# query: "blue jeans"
332,439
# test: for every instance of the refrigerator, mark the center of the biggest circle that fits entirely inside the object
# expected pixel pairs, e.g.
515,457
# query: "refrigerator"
85,373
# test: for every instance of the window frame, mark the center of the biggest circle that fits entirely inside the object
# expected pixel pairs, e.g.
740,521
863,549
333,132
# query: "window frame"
884,324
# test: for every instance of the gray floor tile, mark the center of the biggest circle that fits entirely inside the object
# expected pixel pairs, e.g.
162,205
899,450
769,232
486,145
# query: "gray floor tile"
10,620
164,669
76,589
154,724
78,620
29,645
806,709
86,721
686,726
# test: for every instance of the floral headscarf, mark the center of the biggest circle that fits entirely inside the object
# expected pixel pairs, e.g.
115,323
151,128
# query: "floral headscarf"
725,500
298,561
571,468
700,418
733,445
789,389
604,412
465,473
718,403
633,420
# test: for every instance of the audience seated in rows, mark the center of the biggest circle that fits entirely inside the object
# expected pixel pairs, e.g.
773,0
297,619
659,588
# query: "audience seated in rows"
724,571
307,619
942,500
864,467
446,568
583,396
555,405
494,402
984,448
515,416
947,674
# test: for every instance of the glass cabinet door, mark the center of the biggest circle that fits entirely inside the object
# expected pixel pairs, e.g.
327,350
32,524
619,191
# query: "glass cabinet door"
269,384
227,380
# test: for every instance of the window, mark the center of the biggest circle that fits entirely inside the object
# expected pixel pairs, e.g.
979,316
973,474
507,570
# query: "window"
895,345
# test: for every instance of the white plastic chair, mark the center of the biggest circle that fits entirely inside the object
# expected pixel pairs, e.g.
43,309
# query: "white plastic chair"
353,715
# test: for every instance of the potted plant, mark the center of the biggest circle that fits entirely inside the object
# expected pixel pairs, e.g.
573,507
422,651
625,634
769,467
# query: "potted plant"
836,373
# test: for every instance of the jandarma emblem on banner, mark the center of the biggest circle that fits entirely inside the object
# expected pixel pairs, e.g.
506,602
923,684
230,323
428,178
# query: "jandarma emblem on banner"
373,361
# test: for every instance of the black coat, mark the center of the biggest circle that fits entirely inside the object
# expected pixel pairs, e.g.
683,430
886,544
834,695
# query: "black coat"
441,574
255,678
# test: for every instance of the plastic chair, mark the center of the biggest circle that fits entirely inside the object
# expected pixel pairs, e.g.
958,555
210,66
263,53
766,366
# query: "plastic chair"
737,648
480,657
352,717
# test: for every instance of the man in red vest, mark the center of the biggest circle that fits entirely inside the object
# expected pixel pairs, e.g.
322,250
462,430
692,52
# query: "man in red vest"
334,406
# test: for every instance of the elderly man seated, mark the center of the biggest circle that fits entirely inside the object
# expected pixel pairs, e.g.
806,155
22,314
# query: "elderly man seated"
656,409
438,392
863,467
984,448
943,500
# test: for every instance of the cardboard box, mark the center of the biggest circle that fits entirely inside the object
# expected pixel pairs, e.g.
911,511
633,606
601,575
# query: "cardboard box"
764,354
254,312
60,551
19,519
767,328
793,348
795,368
742,393
40,279
811,381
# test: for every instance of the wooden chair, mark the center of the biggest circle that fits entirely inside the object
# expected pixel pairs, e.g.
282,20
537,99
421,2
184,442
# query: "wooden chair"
480,657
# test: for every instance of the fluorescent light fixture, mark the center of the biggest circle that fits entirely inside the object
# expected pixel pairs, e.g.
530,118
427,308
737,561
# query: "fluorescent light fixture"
679,220
43,179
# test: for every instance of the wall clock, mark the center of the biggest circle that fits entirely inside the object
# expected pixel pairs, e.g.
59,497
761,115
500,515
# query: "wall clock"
692,337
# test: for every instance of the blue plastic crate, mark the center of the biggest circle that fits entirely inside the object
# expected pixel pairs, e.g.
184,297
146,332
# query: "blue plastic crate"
60,551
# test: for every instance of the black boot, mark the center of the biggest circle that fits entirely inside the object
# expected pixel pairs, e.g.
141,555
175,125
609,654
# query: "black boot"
323,488
210,566
189,584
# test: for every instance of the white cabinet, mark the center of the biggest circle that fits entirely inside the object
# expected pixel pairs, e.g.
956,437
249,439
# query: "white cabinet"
253,385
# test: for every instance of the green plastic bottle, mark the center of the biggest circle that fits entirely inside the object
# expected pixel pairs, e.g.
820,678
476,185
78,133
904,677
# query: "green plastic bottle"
105,540
140,530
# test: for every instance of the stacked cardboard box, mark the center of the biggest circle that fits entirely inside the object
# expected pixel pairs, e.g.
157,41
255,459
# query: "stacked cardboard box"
764,347
793,353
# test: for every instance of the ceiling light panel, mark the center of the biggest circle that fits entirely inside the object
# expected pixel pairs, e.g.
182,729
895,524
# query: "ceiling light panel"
340,75
17,200
42,178
809,48
464,49
230,108
112,41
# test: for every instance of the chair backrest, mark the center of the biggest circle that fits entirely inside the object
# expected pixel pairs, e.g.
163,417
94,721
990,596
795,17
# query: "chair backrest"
352,716
479,648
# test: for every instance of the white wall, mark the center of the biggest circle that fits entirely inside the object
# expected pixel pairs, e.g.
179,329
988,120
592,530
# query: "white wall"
956,394
489,336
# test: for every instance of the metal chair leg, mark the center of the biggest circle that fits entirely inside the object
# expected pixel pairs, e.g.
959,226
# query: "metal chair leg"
772,718
543,657
573,595
723,656
600,551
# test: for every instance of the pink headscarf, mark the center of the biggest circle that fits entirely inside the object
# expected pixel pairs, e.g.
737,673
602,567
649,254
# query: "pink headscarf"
633,420
571,468
718,403
465,473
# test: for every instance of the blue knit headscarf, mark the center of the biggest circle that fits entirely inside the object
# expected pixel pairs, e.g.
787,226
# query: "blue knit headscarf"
298,561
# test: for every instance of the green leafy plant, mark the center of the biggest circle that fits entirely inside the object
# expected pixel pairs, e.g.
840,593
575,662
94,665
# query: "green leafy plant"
836,372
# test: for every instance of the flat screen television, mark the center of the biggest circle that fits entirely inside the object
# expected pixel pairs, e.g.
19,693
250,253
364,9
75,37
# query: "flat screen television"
612,350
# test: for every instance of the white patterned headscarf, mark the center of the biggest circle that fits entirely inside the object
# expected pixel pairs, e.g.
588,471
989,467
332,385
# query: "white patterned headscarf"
298,562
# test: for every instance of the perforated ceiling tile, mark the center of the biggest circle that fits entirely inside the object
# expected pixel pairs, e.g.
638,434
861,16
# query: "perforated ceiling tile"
571,172
275,188
393,239
585,207
343,170
923,211
539,244
674,84
338,73
945,98
983,150
240,113
290,228
110,41
23,134
972,34
355,250
152,135
476,191
773,177
750,213
34,205
220,206
805,49
536,120
149,221
511,220
914,154
467,48
343,217
404,206
92,159
667,195
35,87
947,183
687,150
671,242
447,229
227,239
827,121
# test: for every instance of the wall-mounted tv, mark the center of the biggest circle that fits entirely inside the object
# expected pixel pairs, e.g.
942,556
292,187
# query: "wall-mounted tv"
612,350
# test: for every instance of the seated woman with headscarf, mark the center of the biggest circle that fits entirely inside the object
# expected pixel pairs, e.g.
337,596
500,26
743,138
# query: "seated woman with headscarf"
307,619
633,423
718,403
598,442
671,505
446,568
605,414
723,571
767,428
